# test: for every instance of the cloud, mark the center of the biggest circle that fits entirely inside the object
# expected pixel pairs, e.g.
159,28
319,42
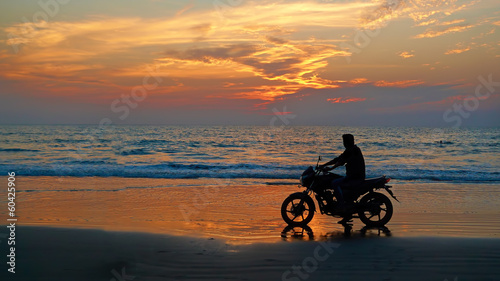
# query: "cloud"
276,40
406,54
345,100
428,22
357,82
436,22
441,32
457,51
419,11
398,84
185,9
293,64
195,45
202,28
452,22
374,105
253,55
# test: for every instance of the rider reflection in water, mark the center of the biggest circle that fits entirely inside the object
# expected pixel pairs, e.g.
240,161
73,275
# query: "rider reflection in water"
354,162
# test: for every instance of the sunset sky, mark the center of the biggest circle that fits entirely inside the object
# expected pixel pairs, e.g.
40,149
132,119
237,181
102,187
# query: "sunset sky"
324,62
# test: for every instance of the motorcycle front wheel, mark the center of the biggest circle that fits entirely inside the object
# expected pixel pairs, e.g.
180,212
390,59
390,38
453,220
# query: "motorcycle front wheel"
376,209
297,209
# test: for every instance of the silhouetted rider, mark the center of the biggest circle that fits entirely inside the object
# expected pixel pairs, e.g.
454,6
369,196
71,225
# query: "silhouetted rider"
354,162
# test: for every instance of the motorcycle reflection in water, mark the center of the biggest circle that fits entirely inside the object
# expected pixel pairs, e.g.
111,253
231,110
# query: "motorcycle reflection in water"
305,233
374,209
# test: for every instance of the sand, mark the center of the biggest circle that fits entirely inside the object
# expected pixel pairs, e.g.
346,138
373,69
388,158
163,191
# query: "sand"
81,254
241,211
204,229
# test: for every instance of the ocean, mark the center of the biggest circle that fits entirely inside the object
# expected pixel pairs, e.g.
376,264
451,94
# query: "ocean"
463,155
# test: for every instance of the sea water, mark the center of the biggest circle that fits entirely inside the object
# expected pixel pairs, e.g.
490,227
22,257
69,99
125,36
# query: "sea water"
464,155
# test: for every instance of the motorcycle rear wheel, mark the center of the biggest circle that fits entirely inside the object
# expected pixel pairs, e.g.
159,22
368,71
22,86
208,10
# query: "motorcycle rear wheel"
376,209
297,209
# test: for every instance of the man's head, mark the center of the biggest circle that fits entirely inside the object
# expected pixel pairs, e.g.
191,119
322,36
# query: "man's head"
348,140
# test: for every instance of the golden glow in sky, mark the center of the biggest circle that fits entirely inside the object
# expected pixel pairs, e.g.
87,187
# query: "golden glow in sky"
244,56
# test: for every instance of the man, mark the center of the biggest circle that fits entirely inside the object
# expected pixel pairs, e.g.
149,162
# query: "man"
353,159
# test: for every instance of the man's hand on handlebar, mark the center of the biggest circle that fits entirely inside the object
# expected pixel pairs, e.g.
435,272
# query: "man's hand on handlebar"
324,168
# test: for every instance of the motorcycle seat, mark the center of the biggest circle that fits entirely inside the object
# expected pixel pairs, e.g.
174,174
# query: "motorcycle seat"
374,180
363,183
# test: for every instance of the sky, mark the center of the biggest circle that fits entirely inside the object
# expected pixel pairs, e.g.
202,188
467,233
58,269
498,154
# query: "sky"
218,62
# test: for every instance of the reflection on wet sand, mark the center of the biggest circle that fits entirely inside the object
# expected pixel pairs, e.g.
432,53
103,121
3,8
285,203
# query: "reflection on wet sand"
241,212
306,233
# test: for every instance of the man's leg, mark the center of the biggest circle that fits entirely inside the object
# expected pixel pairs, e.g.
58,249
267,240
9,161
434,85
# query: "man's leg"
338,191
342,206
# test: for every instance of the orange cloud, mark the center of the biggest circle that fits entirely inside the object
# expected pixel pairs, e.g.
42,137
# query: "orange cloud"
359,81
266,92
406,54
345,100
457,51
452,22
381,83
429,22
436,33
114,52
425,9
256,51
292,66
419,11
398,84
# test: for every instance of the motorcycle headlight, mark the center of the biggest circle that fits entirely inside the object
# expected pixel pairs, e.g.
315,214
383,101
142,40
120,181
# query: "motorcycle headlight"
301,180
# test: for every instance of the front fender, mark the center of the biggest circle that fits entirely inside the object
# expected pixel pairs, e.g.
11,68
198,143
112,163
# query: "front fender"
306,197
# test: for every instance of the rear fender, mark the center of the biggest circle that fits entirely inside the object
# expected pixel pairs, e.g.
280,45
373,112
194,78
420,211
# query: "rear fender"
388,189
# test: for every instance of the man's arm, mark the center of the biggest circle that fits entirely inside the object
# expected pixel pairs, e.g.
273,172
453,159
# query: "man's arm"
338,161
335,163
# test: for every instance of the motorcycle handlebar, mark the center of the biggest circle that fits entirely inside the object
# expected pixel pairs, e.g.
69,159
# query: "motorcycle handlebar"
324,169
317,163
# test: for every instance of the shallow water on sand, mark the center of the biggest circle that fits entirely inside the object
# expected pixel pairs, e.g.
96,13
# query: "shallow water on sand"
242,210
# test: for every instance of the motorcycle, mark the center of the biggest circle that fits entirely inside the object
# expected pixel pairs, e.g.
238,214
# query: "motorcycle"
374,209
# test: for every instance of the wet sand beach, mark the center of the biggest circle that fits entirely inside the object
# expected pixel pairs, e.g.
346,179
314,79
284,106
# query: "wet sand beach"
241,211
176,140
208,229
83,254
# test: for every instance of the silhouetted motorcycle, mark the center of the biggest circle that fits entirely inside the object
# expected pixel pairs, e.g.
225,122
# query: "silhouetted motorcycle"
374,209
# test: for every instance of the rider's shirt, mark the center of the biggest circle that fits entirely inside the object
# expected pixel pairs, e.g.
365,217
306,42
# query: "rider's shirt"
354,162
